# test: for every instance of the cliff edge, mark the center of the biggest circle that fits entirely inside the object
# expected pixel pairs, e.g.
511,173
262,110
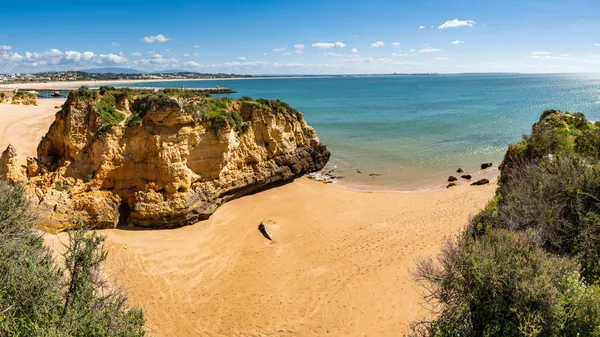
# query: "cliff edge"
160,159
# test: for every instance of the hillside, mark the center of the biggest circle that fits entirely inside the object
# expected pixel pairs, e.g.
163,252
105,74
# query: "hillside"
529,263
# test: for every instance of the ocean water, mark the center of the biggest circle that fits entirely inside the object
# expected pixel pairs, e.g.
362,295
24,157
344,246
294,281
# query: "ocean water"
407,132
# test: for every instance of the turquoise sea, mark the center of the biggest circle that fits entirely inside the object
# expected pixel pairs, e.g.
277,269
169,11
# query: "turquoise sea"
406,132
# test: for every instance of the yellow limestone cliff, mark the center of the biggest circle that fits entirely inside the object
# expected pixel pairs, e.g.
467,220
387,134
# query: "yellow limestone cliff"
160,160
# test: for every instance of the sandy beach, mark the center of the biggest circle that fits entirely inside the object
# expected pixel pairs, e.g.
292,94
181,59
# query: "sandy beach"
339,264
24,125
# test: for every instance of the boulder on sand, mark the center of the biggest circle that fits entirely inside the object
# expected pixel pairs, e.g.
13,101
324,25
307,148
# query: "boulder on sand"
452,178
264,230
485,165
481,182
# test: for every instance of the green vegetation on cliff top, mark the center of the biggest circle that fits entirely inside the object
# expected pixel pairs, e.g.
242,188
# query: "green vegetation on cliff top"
217,112
529,263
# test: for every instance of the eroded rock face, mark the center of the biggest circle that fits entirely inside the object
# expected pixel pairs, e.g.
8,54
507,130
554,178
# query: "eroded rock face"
167,167
25,99
9,169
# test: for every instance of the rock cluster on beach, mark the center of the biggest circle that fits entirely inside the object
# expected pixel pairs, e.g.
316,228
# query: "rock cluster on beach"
160,161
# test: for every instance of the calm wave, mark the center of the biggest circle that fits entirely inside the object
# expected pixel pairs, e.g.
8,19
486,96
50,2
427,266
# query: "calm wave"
413,131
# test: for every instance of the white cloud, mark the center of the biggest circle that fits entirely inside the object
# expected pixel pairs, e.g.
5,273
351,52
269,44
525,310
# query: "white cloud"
442,58
547,55
266,54
396,44
595,45
422,27
412,50
377,44
287,54
187,55
457,42
192,64
116,44
399,54
57,58
354,51
456,23
299,46
277,50
196,46
245,63
5,48
157,38
136,54
332,54
242,58
429,50
168,50
328,45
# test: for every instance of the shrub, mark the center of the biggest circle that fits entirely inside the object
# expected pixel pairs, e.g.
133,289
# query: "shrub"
60,186
103,89
277,106
108,112
529,263
502,284
86,93
39,297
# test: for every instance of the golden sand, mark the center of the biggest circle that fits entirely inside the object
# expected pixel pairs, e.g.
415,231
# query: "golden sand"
339,264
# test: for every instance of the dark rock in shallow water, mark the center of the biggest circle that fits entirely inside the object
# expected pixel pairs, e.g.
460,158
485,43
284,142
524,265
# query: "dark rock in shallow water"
358,171
459,170
466,176
264,230
451,185
452,178
374,174
481,182
485,165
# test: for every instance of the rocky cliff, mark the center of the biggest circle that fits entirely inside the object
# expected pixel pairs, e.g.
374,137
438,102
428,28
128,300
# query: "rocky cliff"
163,159
25,98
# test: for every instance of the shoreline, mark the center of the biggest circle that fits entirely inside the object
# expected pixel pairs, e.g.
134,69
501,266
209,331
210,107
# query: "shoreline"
220,276
93,84
37,117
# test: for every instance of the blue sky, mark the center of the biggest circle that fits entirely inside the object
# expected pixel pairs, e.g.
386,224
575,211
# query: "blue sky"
303,37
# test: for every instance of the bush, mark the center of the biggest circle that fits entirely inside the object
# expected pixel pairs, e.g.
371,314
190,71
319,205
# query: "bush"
529,263
39,297
108,112
103,89
277,106
60,186
502,284
86,93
